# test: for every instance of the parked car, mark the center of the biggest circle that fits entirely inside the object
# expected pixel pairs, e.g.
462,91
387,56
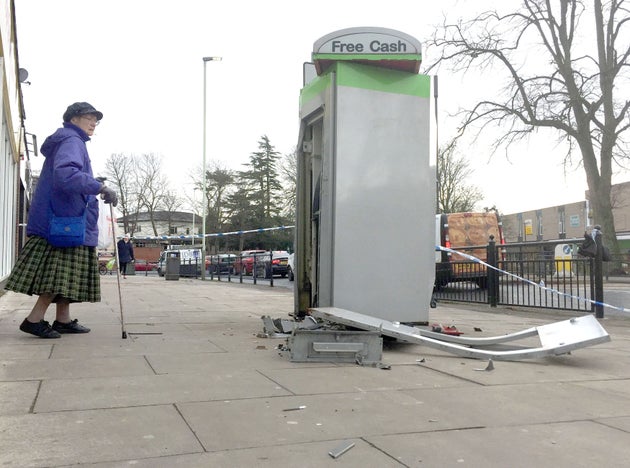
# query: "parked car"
143,265
220,264
273,263
291,267
245,262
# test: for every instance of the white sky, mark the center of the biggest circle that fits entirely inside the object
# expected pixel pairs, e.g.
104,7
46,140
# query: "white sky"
140,63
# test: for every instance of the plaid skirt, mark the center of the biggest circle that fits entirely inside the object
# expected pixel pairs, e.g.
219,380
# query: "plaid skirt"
67,273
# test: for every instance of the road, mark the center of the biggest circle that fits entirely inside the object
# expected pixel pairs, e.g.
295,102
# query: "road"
617,294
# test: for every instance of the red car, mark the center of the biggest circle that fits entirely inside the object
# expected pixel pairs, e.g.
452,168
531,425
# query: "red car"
143,265
245,262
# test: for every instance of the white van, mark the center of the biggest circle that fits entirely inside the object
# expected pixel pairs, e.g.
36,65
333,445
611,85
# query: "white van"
187,257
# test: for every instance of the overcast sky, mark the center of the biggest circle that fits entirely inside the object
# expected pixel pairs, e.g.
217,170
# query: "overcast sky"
140,63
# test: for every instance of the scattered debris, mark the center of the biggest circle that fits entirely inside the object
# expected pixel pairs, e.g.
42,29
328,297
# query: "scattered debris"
477,329
297,408
450,330
489,367
281,328
378,364
341,449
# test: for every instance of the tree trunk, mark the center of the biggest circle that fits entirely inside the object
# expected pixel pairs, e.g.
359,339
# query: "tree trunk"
602,215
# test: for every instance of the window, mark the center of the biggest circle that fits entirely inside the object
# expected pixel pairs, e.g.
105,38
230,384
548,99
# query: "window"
539,222
562,227
172,230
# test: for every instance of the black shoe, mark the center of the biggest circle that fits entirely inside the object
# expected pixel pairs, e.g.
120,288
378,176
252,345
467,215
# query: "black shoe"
41,329
70,327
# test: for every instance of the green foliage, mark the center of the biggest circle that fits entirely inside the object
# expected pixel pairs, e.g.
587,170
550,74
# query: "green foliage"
254,198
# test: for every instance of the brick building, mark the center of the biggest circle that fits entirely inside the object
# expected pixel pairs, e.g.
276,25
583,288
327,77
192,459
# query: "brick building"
568,221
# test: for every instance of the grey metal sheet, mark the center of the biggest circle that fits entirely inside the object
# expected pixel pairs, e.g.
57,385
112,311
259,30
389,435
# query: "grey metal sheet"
556,338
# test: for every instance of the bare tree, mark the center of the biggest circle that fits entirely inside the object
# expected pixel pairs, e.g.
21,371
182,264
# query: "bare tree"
454,194
140,185
170,202
120,174
151,184
556,78
288,175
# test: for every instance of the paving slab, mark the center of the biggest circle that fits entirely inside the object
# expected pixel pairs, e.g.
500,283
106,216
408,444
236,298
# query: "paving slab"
502,405
31,369
117,392
230,424
353,378
309,455
622,423
135,345
255,356
606,387
16,350
556,445
194,385
17,397
75,437
581,365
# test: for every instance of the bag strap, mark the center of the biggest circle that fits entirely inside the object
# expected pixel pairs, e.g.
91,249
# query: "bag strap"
84,211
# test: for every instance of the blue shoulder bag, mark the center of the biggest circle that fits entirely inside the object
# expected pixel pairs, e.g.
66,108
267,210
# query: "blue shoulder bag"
67,231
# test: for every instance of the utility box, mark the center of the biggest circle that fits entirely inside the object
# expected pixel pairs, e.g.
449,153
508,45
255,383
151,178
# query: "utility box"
172,265
366,186
563,255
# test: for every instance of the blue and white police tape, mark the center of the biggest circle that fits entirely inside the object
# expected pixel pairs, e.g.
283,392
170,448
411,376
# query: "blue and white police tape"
538,285
215,234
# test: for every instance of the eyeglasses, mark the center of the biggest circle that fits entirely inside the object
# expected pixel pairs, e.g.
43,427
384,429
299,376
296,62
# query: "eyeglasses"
91,118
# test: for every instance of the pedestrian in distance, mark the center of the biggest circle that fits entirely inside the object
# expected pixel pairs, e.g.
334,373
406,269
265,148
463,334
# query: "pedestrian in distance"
125,254
68,189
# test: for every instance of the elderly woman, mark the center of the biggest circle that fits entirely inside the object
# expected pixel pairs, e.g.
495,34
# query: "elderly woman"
66,188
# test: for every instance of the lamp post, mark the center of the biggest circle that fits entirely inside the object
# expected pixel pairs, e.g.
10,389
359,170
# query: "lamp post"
203,173
194,214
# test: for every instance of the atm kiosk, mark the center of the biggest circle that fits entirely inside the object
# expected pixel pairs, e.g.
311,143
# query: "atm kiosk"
366,182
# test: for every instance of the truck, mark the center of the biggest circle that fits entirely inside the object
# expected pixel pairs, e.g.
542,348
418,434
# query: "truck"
469,233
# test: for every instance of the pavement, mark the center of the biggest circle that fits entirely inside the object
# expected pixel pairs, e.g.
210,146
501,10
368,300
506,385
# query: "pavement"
194,385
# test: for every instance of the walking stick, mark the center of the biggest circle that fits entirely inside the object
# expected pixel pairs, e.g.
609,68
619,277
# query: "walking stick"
122,319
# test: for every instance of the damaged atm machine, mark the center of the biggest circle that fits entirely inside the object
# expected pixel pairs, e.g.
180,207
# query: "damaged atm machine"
364,236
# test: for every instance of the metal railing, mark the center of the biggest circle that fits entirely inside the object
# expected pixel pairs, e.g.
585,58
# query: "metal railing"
260,269
525,275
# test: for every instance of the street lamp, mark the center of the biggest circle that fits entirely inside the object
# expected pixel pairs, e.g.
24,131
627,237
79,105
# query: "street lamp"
203,174
194,215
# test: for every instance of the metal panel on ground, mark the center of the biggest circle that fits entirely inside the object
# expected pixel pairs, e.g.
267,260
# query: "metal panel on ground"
555,338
